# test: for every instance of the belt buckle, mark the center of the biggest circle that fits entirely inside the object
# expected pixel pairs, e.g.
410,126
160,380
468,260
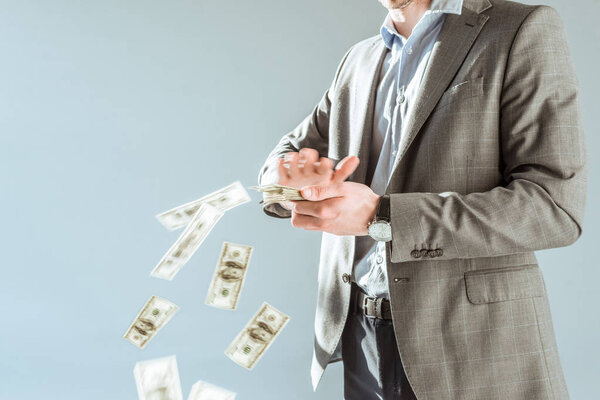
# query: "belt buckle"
378,307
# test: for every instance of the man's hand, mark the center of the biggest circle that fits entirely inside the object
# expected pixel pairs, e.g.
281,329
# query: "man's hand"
305,168
342,208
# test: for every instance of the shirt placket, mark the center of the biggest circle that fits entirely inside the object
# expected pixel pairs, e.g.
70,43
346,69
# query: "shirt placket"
399,100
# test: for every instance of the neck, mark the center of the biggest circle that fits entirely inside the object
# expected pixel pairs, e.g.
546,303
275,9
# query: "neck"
406,18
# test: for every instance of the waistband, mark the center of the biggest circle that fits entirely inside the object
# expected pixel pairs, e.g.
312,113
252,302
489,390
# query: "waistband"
373,307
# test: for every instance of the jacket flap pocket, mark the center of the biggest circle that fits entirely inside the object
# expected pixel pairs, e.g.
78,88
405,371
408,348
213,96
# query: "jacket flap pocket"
506,283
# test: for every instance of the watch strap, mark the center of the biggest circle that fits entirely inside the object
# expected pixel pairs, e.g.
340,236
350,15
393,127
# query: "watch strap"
383,209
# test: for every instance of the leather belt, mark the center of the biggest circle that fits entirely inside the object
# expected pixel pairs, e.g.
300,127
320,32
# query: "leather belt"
374,307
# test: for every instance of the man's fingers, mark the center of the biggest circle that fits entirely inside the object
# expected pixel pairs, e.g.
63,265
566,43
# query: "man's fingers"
325,166
309,156
318,193
292,161
325,209
345,168
307,222
283,172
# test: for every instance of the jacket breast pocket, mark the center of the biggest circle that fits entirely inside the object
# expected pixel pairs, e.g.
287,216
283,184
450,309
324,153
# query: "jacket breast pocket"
456,94
505,283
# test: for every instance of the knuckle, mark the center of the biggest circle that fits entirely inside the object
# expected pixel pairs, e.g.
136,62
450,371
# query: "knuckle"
334,214
324,168
325,161
318,192
321,211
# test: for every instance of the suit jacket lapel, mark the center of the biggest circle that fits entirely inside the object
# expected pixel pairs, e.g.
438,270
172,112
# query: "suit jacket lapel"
454,41
366,85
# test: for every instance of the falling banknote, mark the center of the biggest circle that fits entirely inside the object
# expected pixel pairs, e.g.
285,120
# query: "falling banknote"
277,193
154,315
206,391
252,342
223,199
158,379
188,242
228,279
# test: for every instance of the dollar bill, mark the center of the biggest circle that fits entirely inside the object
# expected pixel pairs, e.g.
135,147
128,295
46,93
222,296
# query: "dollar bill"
206,391
254,340
223,199
154,315
188,242
228,279
277,193
158,379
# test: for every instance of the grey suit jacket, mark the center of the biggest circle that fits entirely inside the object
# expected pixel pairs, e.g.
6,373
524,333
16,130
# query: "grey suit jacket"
498,125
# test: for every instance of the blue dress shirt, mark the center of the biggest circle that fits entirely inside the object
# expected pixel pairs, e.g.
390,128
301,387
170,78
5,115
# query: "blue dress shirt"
399,83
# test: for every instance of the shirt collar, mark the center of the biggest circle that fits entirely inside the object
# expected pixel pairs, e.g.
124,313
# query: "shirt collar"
388,31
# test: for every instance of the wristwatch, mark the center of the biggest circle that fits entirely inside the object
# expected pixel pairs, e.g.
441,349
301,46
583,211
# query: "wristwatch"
380,228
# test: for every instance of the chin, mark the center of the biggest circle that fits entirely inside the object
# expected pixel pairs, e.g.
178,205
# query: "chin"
395,4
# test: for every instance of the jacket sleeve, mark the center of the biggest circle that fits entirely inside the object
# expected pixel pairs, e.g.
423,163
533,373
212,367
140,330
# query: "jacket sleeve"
312,132
544,153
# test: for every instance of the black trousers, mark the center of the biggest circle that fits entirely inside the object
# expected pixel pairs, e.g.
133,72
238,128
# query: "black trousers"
372,366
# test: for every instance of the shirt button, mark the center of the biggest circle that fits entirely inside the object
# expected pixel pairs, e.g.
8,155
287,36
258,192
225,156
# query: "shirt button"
400,98
346,278
409,50
379,259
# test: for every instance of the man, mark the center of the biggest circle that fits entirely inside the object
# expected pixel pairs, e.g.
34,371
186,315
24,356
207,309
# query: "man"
458,135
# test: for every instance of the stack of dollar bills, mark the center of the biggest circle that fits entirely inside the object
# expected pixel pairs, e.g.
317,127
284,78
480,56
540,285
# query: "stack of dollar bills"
277,193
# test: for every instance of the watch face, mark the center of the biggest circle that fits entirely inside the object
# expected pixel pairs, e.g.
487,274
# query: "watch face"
380,231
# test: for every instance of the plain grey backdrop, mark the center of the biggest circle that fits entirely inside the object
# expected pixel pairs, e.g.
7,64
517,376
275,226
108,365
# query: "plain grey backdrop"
113,111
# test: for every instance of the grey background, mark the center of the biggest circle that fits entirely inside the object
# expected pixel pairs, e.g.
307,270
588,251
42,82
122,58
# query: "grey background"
112,111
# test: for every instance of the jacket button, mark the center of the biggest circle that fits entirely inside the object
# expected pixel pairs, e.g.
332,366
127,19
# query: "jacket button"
431,253
415,254
346,278
439,252
424,252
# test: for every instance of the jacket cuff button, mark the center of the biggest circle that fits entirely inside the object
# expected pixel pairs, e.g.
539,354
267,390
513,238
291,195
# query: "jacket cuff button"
345,278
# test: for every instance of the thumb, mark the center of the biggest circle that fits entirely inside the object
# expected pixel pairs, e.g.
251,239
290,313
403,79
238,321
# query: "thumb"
318,193
345,168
